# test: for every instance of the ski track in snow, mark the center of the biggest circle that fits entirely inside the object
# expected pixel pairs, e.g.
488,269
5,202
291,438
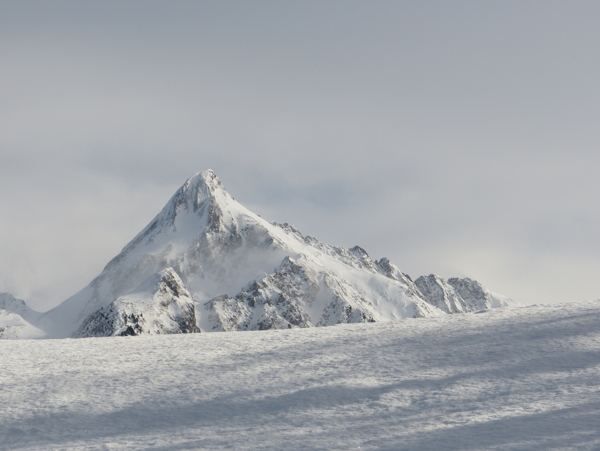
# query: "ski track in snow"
518,378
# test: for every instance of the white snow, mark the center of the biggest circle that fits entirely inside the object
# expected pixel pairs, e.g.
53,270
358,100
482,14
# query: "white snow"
13,325
220,248
525,378
16,319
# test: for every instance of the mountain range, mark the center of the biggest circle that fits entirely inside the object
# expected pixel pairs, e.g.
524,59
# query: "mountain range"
206,263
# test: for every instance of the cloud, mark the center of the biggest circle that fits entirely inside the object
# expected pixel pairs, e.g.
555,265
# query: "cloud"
453,139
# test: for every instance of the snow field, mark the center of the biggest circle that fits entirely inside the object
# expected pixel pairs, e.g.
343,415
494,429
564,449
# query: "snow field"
521,378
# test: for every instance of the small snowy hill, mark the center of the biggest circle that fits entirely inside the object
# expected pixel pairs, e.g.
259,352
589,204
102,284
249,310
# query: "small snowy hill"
503,379
245,273
16,318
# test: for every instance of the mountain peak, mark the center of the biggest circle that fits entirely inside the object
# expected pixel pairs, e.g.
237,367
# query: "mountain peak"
205,181
199,188
202,198
205,249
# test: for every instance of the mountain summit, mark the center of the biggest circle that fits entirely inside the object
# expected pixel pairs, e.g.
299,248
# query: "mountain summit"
206,263
202,201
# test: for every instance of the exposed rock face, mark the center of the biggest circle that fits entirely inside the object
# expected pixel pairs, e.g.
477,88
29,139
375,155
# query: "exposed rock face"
441,294
161,305
279,300
477,296
295,295
390,270
459,295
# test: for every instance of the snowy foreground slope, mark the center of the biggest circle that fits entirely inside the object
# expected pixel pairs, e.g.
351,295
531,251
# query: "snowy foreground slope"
229,269
505,379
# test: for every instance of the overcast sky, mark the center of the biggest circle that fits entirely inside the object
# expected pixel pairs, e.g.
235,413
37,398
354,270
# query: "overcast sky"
455,137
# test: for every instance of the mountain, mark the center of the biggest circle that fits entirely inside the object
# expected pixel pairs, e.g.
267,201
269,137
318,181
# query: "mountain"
243,273
459,295
17,319
160,305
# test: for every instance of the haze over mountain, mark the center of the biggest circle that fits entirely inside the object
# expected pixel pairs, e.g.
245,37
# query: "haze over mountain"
464,131
207,263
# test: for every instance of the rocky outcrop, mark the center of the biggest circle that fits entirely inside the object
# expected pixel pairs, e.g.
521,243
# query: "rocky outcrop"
161,305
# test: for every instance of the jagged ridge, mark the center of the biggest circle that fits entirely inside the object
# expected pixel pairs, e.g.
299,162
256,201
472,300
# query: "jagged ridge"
244,273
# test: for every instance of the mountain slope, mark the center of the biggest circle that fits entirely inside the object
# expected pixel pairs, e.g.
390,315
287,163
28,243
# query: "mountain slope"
17,320
242,272
161,305
211,241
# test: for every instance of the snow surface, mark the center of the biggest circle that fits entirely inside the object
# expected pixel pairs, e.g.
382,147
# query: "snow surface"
525,378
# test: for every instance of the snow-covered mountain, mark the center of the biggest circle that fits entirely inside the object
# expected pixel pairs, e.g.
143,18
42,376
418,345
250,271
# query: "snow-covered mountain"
160,305
459,295
235,271
16,318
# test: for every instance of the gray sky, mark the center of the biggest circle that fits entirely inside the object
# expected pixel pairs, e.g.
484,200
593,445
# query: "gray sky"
455,137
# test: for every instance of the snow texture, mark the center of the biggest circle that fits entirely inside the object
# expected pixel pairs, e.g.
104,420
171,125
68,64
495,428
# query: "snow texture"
503,379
